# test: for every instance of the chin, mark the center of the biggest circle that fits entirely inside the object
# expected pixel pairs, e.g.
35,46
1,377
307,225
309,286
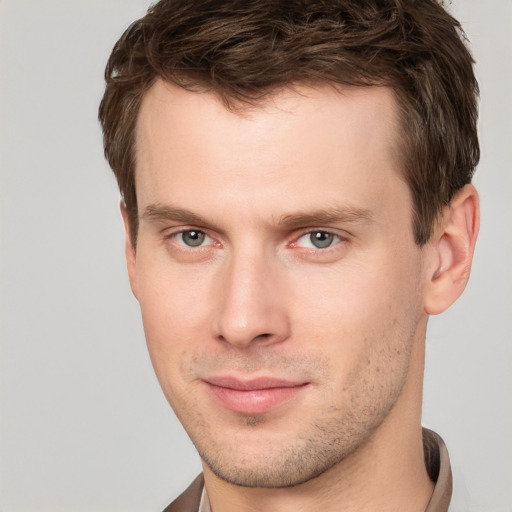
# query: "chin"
286,466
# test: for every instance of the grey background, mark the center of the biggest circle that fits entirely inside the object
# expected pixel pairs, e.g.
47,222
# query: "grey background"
84,425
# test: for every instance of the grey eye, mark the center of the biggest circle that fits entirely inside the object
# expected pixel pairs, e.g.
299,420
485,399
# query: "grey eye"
193,238
321,239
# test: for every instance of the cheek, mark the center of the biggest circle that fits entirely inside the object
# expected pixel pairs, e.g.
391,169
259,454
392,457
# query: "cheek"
359,308
173,298
175,318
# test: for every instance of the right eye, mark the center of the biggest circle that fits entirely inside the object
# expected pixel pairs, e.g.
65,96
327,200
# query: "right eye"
192,238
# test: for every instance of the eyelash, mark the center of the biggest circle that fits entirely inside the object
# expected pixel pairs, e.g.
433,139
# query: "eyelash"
337,239
172,236
340,239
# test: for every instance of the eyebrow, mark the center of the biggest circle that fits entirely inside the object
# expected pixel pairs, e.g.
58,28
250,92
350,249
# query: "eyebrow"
326,216
168,213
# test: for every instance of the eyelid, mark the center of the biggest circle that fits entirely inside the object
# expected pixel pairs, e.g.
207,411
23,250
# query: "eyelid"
172,233
341,238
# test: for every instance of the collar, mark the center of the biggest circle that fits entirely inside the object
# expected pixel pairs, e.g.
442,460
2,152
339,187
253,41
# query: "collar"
204,504
437,463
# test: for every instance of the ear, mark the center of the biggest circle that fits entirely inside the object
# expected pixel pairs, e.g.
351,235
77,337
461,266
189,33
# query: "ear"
129,249
451,251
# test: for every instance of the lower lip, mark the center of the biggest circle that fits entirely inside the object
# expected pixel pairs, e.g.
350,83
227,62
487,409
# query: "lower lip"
253,401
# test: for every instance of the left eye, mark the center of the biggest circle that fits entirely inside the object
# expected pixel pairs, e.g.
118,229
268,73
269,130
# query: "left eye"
317,240
192,238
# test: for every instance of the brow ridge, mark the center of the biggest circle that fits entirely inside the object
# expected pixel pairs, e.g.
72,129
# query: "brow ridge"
161,213
165,213
326,216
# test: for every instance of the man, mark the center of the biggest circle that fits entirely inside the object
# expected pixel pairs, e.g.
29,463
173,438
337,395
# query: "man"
296,183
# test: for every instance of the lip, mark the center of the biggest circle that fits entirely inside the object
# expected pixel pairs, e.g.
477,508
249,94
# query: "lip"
254,396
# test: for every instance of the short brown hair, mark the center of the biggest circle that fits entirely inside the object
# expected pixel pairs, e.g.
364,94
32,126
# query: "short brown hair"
244,49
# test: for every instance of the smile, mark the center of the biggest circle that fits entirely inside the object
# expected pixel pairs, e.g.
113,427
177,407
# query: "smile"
255,396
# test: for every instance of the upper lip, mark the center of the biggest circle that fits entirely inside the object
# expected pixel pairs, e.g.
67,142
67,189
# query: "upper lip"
252,384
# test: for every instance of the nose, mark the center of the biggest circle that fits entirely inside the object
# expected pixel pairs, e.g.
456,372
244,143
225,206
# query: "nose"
252,307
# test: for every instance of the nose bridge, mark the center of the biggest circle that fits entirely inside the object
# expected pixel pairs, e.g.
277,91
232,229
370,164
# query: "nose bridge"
250,310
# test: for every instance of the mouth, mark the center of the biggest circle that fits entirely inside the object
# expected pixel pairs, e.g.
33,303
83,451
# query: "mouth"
254,396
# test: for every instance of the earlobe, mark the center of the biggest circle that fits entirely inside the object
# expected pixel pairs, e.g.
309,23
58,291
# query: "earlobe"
451,251
129,249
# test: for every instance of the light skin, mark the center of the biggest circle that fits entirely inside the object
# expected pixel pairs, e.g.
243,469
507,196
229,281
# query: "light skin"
283,297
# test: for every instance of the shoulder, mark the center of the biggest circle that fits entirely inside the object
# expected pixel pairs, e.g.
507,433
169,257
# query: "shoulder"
189,500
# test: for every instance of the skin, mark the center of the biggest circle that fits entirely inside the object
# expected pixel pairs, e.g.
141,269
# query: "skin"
256,298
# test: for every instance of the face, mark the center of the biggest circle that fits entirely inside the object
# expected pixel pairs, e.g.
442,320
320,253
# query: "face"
279,282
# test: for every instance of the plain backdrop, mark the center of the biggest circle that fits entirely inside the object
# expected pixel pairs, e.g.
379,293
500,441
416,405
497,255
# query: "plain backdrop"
84,425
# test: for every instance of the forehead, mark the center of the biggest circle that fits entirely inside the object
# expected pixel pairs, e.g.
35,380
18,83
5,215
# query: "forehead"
168,102
334,143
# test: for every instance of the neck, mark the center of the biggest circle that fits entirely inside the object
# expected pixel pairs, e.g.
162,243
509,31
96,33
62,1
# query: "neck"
385,474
